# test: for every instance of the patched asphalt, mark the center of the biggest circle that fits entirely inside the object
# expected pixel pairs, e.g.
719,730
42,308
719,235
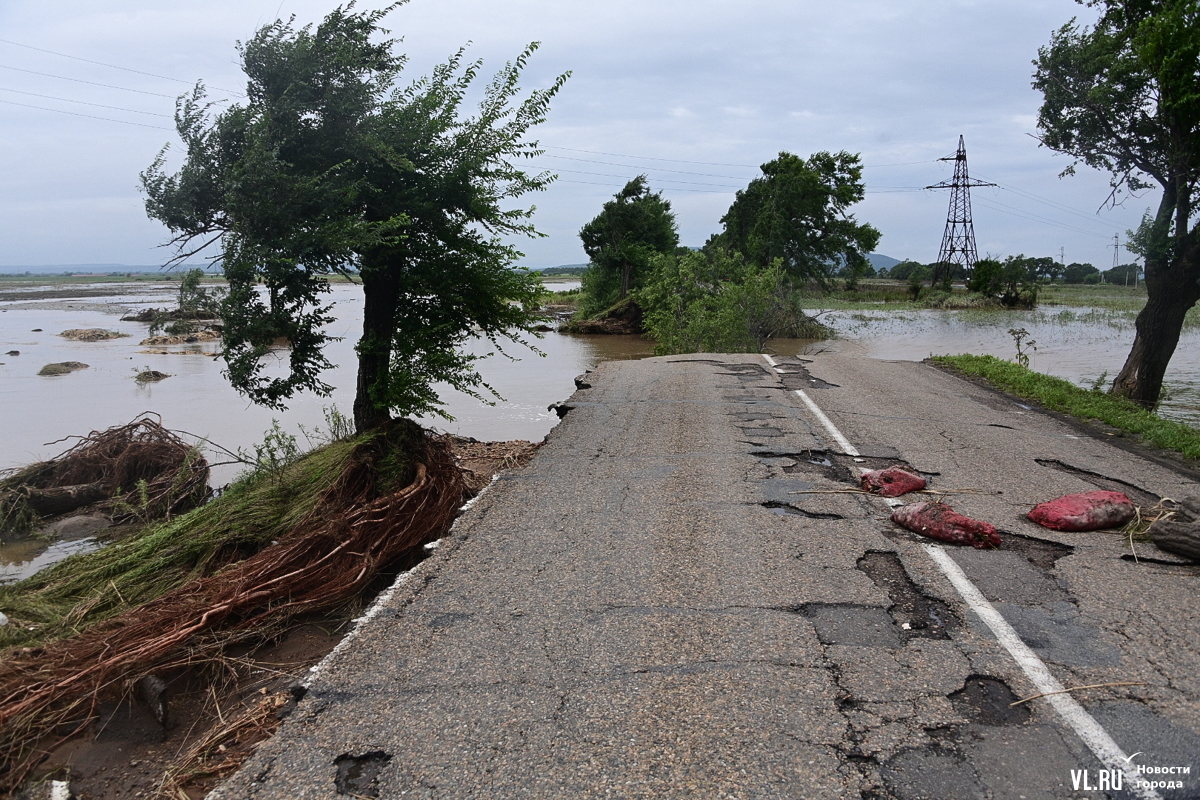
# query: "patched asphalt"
678,597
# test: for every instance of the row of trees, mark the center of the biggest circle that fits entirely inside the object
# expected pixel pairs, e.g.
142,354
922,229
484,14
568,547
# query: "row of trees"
1038,270
788,227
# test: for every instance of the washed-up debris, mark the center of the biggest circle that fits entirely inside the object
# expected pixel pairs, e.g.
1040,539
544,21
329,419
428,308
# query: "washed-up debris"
940,521
150,376
891,482
362,521
140,470
1179,533
175,314
62,368
184,338
91,334
13,353
1087,511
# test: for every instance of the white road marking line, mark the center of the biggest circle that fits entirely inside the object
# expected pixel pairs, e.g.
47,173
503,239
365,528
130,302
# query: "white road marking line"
1084,724
1089,731
842,441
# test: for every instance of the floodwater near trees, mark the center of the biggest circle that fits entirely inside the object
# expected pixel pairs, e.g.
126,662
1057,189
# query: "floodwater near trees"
1077,343
1080,344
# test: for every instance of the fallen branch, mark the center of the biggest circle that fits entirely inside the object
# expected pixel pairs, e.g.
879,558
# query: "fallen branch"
1079,688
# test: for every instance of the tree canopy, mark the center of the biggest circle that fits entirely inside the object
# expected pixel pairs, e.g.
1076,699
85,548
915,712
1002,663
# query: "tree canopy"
1124,97
797,212
714,301
331,167
629,231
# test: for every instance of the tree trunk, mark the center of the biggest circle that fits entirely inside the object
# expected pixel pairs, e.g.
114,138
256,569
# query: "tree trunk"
61,499
380,294
626,279
1171,290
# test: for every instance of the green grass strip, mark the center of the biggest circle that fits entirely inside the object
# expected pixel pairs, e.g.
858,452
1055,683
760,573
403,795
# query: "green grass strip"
1060,395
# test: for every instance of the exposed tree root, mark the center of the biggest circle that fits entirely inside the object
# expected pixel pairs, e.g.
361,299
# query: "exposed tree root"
358,528
139,471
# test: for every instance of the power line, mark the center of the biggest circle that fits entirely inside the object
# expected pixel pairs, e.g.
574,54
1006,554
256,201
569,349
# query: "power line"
85,103
619,185
1052,203
111,66
89,116
1003,209
89,83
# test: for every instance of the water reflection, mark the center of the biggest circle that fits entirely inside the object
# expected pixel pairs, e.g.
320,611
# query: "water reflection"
1078,344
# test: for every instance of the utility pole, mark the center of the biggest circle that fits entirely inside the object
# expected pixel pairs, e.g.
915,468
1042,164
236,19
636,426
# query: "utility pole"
958,242
1062,258
1116,246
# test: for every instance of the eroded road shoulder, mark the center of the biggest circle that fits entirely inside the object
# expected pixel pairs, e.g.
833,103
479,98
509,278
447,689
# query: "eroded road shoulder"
678,597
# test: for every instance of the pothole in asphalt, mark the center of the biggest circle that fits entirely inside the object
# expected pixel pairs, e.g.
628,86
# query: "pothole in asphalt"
764,432
796,376
917,615
356,774
1135,493
756,370
1040,552
988,701
789,510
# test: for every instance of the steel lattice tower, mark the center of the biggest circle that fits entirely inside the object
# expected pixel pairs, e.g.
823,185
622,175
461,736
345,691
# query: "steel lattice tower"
958,242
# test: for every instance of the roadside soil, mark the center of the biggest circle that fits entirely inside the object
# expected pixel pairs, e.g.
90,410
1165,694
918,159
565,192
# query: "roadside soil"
216,719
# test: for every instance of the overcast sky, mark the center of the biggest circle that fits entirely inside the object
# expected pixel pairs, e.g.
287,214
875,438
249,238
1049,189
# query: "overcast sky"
694,94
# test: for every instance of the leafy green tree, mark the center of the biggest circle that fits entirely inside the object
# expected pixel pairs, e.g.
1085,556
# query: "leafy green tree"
797,212
629,231
331,167
1124,275
1124,97
1077,272
714,301
1044,268
901,271
1013,281
986,277
916,279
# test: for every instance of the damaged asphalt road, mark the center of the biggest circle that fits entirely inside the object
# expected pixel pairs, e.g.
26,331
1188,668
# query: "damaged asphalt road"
678,598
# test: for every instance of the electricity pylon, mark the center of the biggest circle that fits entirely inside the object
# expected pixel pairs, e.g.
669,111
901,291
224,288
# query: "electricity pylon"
958,242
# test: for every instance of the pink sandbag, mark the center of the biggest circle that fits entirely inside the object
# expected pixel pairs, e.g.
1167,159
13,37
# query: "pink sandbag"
1088,511
891,482
940,521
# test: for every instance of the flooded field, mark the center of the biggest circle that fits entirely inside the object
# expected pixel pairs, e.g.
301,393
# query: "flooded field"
1077,343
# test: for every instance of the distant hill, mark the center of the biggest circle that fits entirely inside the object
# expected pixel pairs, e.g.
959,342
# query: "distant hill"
881,262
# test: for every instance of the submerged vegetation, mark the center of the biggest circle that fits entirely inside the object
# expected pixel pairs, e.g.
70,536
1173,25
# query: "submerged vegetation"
1085,404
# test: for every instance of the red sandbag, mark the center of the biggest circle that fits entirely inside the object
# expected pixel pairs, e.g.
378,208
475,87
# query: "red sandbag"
1088,511
940,521
891,482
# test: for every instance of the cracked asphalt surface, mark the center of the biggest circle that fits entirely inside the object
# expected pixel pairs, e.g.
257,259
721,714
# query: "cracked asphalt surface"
677,598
